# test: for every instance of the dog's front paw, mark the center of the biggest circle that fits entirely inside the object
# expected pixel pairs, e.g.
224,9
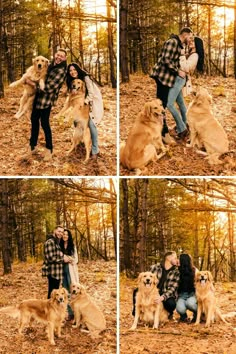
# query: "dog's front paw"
52,342
133,328
13,84
74,326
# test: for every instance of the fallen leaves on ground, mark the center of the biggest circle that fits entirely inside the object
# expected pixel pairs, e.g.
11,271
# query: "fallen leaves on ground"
15,134
182,161
26,282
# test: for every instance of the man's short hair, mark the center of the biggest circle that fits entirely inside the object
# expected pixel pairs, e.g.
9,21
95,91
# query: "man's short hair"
186,30
62,50
169,253
59,226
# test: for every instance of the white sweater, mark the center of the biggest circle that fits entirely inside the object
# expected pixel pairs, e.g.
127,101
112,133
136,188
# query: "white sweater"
188,65
94,97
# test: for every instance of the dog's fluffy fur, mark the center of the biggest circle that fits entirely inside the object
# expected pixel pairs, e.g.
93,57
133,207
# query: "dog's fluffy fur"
206,299
144,138
51,312
205,130
85,311
146,308
37,73
76,110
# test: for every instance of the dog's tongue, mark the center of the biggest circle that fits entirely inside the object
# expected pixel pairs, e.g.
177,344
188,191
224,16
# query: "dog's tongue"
148,285
202,282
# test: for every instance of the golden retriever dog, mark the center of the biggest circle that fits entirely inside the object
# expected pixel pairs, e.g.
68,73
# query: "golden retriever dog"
146,308
144,138
74,100
206,299
51,312
85,311
36,73
205,130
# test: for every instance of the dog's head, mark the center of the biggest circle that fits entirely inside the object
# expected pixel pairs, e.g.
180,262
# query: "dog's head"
78,85
40,63
77,289
154,108
203,277
59,296
202,96
147,279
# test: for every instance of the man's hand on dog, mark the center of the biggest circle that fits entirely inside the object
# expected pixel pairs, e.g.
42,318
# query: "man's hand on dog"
159,300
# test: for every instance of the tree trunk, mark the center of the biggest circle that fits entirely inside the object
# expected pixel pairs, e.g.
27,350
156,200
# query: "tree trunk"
110,48
5,235
124,41
1,53
125,213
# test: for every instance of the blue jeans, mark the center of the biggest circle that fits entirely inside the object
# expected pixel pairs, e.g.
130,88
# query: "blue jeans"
66,284
175,95
186,301
94,136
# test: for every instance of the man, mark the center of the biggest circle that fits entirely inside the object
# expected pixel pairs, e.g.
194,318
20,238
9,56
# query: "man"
53,260
44,100
168,282
167,69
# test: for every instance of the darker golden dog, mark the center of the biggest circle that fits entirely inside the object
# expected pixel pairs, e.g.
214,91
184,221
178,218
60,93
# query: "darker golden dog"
144,138
36,73
206,299
146,307
86,311
52,312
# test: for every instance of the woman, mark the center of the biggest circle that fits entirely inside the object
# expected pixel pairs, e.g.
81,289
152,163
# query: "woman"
186,290
93,99
70,269
187,66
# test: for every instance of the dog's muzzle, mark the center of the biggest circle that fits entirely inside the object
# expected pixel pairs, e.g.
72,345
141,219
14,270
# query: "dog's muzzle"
148,283
75,123
39,66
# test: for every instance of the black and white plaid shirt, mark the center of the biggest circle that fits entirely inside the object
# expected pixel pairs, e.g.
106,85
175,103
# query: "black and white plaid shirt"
167,66
55,77
53,259
171,283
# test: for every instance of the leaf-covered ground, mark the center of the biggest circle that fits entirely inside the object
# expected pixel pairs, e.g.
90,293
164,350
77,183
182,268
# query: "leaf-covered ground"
175,337
26,282
15,133
182,161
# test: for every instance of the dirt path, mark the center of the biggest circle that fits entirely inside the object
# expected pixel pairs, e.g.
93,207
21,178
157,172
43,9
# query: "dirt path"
182,161
26,282
15,133
174,337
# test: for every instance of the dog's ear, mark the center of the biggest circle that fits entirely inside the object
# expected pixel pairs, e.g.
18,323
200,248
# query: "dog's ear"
140,277
155,279
147,109
33,60
47,62
53,294
210,277
83,87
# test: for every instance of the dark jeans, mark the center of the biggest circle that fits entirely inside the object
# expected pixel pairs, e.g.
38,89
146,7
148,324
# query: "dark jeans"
44,115
66,283
53,283
162,94
169,304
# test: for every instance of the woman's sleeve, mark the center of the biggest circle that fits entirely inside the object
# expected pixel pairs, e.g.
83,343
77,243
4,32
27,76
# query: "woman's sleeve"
90,89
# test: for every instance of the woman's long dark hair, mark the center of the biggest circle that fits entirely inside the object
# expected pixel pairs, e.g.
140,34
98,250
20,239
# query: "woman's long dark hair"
70,247
81,74
186,265
200,51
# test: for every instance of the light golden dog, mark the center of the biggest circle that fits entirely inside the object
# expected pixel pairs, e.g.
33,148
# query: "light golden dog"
144,138
86,311
51,312
76,110
205,130
146,309
36,73
74,100
206,299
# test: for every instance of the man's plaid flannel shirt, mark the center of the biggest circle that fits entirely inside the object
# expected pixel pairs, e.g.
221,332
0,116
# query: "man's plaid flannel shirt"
167,65
53,259
54,80
172,282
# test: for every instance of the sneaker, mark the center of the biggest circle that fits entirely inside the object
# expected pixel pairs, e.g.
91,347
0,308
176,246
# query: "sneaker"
48,155
167,139
183,135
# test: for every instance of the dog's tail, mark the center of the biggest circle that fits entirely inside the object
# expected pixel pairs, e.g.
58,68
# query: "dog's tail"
12,311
